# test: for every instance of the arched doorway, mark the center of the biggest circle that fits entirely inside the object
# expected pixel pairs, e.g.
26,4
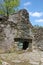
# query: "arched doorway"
25,45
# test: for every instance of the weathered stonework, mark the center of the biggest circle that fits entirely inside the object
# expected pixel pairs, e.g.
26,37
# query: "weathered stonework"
16,32
38,35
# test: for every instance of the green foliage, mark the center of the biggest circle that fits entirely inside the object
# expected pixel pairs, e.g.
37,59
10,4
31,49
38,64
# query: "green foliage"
0,62
8,7
1,12
37,26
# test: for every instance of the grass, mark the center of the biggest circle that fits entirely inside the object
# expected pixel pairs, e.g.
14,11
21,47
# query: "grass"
0,62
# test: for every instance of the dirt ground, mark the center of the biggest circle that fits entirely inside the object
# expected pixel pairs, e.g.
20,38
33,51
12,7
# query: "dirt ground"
26,58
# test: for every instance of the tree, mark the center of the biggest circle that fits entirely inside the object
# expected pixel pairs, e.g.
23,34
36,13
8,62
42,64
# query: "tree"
8,7
38,26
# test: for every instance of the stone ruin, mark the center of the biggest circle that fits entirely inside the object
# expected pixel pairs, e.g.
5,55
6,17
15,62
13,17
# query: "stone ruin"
38,35
16,32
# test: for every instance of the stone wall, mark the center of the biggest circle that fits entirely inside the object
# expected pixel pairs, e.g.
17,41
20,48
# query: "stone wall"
38,35
17,26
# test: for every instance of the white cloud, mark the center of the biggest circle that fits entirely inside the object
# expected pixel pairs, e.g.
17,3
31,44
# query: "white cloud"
26,8
39,20
27,3
36,14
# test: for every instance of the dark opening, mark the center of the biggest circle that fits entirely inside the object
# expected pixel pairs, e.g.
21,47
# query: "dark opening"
0,19
25,45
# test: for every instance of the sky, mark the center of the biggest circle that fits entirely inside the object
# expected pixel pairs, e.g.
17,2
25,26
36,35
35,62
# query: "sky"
35,9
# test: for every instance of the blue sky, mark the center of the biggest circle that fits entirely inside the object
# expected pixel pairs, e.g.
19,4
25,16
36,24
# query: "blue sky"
35,9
